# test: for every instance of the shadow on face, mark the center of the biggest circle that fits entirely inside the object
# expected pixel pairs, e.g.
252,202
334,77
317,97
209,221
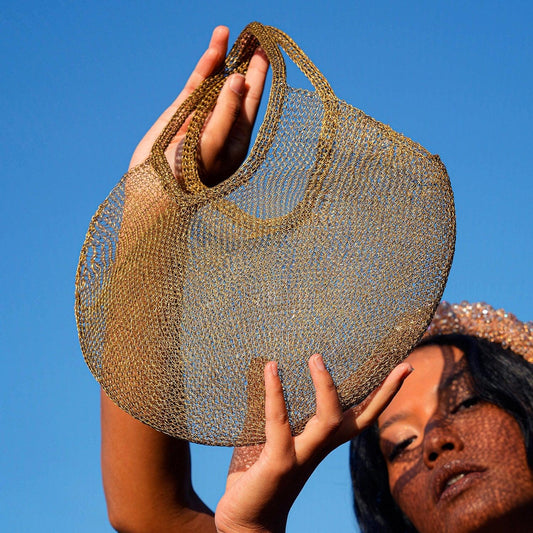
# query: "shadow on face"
455,463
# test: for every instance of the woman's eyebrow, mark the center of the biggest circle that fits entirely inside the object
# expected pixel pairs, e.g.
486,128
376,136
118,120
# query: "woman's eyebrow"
452,379
402,415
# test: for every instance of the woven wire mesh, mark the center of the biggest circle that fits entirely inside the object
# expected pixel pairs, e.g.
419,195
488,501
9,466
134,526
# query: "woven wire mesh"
335,237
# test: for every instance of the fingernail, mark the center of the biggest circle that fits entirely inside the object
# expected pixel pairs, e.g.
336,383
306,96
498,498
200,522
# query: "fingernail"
236,84
407,371
319,362
274,368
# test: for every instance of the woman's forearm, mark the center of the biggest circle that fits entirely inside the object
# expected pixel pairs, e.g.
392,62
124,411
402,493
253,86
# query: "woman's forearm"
147,478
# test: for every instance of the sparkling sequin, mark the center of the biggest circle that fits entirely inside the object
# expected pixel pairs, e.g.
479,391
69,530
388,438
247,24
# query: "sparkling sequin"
481,320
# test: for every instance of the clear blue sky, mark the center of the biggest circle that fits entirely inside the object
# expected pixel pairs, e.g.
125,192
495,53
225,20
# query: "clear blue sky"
82,82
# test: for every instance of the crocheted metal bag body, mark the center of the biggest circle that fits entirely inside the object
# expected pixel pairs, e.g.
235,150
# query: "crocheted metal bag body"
335,236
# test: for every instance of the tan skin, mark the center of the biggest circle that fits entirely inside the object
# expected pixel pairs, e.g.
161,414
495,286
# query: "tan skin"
146,474
258,497
455,463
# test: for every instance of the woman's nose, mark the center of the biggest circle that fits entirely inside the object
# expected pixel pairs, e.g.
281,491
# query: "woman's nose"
439,439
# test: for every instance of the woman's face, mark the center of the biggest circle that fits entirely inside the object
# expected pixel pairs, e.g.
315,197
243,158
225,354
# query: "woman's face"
455,463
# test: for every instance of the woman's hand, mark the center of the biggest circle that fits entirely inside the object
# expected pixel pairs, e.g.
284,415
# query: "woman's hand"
225,139
259,496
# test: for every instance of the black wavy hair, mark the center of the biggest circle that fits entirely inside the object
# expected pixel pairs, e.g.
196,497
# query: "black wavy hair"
500,377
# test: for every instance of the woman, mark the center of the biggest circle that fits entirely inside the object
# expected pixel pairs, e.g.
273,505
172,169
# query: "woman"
454,449
147,474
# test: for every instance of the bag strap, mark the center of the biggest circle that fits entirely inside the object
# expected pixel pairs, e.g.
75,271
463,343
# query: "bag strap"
203,99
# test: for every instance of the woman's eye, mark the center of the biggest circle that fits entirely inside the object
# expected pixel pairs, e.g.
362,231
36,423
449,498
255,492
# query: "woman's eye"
466,404
399,448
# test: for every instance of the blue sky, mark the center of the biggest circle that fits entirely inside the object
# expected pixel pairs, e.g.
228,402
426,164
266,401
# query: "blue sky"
82,82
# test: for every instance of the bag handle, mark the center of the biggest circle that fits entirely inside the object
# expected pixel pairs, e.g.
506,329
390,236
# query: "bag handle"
203,99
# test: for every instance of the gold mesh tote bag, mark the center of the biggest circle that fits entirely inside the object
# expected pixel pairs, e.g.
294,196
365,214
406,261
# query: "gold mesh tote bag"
335,236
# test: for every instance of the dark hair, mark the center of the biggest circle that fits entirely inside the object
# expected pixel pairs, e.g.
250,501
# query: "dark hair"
500,377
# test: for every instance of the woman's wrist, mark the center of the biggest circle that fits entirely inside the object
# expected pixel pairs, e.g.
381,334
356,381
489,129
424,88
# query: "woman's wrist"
223,526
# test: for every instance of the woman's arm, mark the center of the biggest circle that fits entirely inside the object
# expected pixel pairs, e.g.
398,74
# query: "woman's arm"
146,474
147,478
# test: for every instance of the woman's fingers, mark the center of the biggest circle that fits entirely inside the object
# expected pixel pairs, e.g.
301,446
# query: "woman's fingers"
314,441
255,83
326,430
384,394
278,451
208,63
241,132
330,427
363,415
226,136
279,443
220,123
328,408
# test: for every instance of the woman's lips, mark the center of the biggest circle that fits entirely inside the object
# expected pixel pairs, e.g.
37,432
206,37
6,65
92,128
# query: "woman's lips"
453,478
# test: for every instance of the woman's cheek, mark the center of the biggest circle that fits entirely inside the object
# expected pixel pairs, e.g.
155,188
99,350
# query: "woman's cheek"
408,485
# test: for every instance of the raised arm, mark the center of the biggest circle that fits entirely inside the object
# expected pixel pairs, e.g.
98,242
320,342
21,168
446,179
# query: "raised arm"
147,478
146,474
